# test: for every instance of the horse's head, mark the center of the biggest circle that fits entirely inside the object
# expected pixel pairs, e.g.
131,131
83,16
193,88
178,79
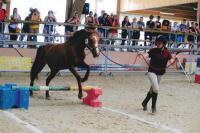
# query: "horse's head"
92,43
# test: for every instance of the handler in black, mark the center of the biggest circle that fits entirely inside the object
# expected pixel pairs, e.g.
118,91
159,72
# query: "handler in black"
159,57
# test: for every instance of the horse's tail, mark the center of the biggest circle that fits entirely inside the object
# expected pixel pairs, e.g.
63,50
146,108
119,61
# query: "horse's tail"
39,63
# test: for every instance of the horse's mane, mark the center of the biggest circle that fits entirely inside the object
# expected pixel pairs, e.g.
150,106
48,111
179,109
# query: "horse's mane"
77,36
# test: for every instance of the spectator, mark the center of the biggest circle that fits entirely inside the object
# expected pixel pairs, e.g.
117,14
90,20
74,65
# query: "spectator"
166,28
141,25
13,26
157,25
103,22
174,30
182,29
166,25
26,27
96,21
198,36
192,31
136,33
125,24
73,21
49,28
2,17
150,25
34,26
100,19
113,33
90,18
102,13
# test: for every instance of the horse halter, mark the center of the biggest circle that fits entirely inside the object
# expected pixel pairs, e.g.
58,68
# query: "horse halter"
88,46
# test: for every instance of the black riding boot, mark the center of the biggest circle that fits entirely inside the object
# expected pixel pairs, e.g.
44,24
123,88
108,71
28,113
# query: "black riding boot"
154,99
146,100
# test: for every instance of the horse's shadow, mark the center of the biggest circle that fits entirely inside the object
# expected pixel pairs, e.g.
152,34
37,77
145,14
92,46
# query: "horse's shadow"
39,100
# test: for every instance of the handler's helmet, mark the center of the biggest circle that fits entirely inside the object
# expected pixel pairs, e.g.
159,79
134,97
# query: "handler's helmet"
161,38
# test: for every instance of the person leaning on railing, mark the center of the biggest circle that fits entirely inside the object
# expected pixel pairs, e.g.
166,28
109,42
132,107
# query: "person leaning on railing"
192,32
13,26
113,32
34,26
150,25
49,28
26,27
2,17
136,32
125,24
96,21
74,20
158,26
182,29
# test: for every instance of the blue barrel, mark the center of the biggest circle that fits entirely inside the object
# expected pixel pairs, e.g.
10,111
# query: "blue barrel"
6,98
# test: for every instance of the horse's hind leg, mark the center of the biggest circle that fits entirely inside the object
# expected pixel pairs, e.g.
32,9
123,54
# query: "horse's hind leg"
34,73
49,78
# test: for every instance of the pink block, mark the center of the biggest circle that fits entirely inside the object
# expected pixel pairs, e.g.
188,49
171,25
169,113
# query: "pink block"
92,97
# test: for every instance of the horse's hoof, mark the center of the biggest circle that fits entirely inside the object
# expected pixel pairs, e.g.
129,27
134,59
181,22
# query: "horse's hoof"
31,94
80,96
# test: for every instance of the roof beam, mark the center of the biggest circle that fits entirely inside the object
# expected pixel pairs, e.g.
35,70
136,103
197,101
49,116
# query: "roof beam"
127,5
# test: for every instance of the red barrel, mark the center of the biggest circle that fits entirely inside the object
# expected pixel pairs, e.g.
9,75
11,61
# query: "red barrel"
197,74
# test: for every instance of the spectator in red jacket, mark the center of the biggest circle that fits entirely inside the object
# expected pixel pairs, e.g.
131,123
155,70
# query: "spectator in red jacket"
2,17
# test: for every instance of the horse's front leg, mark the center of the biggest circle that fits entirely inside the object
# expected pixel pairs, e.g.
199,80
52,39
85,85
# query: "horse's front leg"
85,78
78,78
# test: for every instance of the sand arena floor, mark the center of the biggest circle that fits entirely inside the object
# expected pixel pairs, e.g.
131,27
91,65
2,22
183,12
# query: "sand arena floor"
178,107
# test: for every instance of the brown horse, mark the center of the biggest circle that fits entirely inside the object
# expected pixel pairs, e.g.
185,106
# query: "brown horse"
66,56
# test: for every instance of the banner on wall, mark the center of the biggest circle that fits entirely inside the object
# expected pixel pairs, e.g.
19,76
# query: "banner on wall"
12,63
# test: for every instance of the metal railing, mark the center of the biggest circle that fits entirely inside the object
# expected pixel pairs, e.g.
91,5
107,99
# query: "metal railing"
106,41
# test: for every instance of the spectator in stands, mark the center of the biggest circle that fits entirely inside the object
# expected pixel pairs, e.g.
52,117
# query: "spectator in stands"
158,25
150,25
49,28
182,29
113,33
192,32
100,19
103,22
141,25
74,20
198,32
166,25
13,26
2,17
96,21
166,28
26,26
174,30
125,24
136,32
34,25
102,13
90,18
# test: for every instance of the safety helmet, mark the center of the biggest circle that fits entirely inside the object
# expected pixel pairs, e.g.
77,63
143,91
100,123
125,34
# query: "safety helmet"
161,38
